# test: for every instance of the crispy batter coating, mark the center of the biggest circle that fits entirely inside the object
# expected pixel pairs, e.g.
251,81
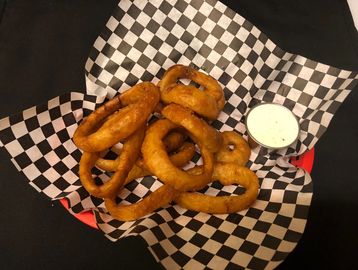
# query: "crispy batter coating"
191,97
158,162
139,102
211,87
173,141
199,130
234,149
227,174
179,159
159,198
129,154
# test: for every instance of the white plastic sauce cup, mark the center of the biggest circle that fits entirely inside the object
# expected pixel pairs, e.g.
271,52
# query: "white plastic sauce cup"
272,126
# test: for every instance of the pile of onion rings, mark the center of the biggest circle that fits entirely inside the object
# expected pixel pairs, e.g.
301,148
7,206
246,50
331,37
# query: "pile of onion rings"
162,148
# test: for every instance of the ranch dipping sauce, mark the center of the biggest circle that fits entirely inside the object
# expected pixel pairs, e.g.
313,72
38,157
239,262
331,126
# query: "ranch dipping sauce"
272,126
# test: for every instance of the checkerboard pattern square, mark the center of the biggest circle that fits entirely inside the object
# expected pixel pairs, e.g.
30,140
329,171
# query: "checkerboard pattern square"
140,40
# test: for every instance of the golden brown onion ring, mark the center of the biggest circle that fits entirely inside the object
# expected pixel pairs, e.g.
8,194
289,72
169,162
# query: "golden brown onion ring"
201,131
191,97
140,101
173,141
227,174
139,169
183,155
158,162
212,87
234,149
129,154
178,159
159,198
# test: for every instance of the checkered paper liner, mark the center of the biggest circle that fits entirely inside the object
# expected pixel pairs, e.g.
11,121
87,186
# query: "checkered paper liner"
139,42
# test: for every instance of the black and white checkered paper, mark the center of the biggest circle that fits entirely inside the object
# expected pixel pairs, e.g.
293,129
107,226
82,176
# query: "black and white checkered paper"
139,42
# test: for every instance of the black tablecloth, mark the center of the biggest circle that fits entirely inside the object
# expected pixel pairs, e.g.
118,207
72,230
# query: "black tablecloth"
43,48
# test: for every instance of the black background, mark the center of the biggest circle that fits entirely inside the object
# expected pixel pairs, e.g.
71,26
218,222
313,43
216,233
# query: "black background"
43,48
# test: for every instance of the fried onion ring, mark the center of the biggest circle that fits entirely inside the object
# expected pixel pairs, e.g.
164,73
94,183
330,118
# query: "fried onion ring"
139,102
179,159
173,141
191,97
159,198
129,154
158,162
208,136
227,174
234,149
211,86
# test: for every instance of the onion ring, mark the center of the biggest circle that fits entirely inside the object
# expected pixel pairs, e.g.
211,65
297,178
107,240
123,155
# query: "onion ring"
139,169
174,140
239,153
208,136
212,87
139,102
129,154
227,174
191,97
179,159
159,198
158,162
